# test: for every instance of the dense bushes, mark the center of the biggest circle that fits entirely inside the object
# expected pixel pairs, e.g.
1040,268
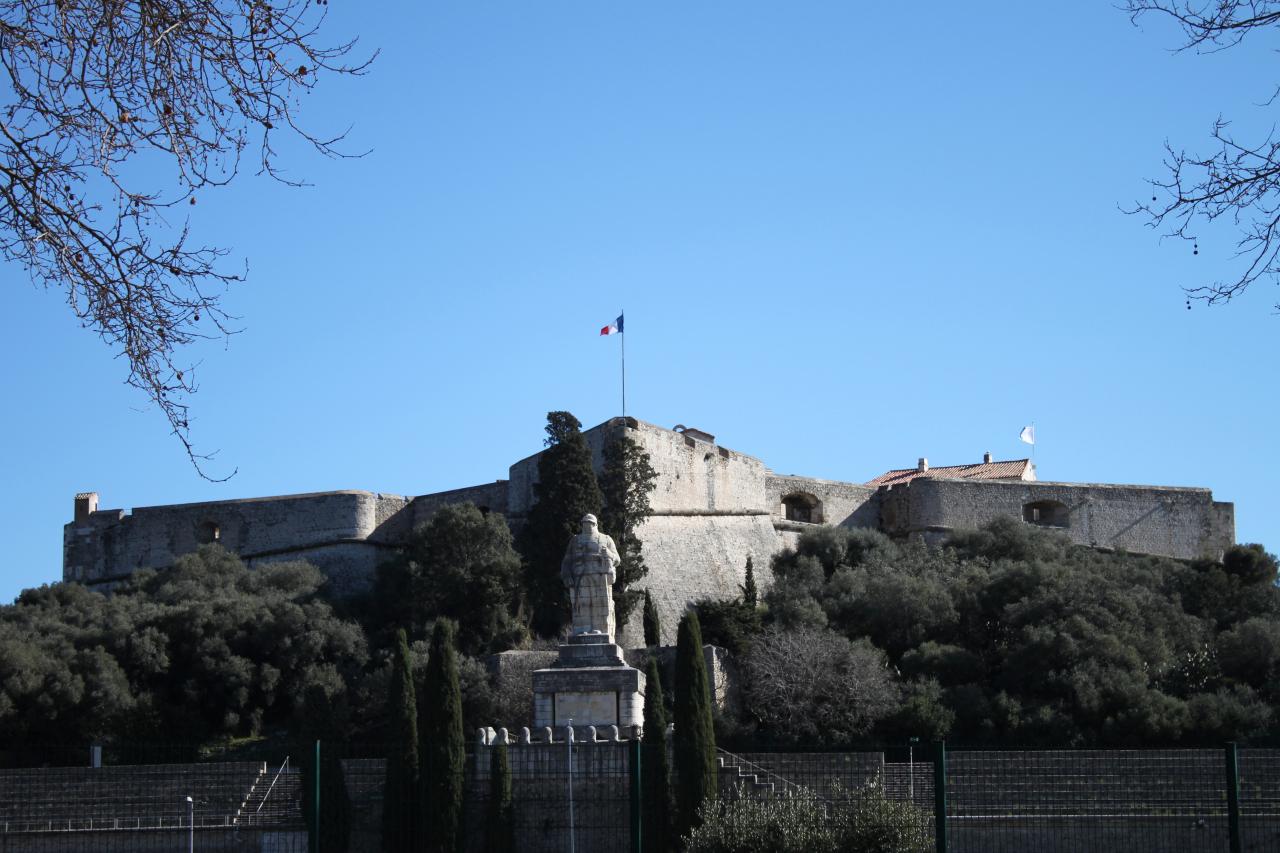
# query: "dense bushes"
205,649
868,822
1010,634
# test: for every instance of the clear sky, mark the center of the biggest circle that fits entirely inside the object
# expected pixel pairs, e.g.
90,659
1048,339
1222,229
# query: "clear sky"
845,236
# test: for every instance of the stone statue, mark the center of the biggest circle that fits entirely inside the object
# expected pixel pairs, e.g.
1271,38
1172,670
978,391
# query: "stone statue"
589,568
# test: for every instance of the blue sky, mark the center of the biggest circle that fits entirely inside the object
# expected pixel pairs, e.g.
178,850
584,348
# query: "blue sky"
845,237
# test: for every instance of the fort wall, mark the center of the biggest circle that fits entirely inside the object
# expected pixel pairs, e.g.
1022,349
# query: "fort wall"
712,508
839,504
109,545
1185,523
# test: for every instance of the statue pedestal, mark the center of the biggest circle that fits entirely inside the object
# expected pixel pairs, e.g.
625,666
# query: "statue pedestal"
590,684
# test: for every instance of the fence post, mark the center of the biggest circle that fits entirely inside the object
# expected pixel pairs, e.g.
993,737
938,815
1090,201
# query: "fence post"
315,811
1233,797
940,796
637,839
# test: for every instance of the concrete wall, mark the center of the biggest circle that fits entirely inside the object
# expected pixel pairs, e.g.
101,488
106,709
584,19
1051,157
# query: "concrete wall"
842,504
1175,522
701,556
112,544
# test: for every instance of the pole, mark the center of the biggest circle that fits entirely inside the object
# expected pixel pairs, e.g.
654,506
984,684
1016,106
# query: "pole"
569,743
315,835
911,769
622,333
637,844
940,796
1233,798
191,824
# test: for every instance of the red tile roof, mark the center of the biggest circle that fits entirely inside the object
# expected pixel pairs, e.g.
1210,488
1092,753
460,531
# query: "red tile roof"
1013,469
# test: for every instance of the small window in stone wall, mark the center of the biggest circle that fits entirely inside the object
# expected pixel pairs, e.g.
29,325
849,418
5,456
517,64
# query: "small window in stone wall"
208,533
802,507
1046,514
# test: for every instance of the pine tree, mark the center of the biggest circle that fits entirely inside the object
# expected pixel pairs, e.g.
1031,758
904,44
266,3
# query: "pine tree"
401,779
626,479
695,739
500,831
750,596
443,748
566,491
654,772
652,622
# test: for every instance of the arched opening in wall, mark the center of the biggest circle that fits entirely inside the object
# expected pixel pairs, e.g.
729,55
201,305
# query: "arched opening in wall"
208,533
1046,514
802,506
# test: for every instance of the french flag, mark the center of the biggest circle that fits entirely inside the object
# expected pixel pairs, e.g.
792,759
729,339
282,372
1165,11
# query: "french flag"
614,328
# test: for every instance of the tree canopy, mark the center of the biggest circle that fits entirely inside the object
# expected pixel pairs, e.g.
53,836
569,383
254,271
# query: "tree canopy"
566,491
1011,634
118,117
1235,181
460,564
203,649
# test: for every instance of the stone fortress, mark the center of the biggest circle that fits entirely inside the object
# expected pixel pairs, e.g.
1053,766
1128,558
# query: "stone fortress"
712,508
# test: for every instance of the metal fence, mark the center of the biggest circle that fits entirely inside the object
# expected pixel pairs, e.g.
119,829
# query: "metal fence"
333,797
155,799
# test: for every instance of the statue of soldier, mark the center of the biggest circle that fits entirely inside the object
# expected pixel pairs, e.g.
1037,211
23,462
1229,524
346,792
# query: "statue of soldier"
589,568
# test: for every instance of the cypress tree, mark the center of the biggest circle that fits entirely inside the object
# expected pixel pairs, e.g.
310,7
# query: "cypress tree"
500,832
626,479
695,738
750,596
566,490
652,622
401,779
443,749
654,771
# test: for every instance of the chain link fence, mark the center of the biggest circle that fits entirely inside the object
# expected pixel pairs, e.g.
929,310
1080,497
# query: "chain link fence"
333,797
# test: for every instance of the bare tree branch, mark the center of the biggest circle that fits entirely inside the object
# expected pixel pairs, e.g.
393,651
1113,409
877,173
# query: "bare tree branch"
99,91
1234,181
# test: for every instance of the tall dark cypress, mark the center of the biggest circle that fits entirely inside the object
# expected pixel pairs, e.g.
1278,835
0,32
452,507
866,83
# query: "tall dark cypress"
400,783
695,738
750,595
655,773
566,490
652,623
443,748
626,479
500,829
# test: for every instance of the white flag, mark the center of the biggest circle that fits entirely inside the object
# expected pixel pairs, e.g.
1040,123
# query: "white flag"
1028,434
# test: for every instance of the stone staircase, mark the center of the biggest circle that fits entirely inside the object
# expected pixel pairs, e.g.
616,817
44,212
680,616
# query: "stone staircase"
273,798
753,780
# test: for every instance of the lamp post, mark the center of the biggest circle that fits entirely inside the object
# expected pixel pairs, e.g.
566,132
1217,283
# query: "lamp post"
911,769
569,743
191,825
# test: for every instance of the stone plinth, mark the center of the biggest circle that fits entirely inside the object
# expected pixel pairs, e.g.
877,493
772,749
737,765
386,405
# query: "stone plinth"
589,683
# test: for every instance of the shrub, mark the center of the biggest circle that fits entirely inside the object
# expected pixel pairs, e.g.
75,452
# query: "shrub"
873,823
800,822
786,824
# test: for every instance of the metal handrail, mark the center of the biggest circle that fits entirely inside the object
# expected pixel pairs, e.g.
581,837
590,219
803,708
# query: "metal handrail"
759,771
283,767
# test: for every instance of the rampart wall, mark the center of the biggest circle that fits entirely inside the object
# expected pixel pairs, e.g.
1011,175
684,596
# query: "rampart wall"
1175,522
840,504
712,509
343,532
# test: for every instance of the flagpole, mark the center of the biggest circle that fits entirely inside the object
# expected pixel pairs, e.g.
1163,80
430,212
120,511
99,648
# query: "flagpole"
623,343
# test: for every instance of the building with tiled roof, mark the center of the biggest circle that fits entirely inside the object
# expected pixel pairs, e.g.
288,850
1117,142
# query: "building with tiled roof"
1012,469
